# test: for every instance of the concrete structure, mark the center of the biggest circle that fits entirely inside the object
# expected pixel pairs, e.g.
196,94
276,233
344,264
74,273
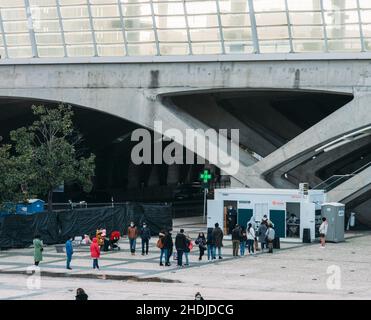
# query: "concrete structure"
158,93
202,64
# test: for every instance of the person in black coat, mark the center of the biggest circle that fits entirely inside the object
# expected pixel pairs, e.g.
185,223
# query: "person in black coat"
145,235
210,245
168,244
181,245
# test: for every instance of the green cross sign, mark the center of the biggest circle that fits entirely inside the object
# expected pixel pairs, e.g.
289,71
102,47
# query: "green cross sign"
205,176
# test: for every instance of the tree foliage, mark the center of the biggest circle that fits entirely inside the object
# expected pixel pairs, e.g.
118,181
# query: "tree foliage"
9,176
46,155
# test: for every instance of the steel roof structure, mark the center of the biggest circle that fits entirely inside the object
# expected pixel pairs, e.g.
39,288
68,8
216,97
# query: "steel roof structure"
119,28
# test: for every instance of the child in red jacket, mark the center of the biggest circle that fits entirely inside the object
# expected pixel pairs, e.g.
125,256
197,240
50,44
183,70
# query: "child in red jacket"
95,253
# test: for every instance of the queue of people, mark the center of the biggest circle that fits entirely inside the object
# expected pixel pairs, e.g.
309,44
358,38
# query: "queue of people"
212,243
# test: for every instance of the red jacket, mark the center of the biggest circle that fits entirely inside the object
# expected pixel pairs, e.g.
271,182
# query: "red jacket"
94,249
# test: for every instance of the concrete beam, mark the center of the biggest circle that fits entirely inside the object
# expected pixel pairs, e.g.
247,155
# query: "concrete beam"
307,171
352,188
205,109
351,117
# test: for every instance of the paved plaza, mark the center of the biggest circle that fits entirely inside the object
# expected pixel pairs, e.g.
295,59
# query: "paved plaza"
297,271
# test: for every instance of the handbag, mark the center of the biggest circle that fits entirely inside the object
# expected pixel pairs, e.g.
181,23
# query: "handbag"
190,246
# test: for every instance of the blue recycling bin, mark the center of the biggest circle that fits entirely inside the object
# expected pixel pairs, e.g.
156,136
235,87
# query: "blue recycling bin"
31,207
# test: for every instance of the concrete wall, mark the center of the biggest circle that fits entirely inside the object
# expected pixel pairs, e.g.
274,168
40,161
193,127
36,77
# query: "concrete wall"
135,91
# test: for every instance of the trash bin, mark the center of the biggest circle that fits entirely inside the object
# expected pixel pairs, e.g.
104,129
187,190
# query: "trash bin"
306,236
276,243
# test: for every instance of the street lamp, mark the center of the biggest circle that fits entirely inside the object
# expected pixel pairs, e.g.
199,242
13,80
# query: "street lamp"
205,176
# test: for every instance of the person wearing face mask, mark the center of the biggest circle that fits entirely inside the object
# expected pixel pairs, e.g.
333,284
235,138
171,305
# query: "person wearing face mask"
145,235
132,235
231,218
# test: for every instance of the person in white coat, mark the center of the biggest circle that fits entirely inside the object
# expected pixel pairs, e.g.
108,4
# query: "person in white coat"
323,232
250,232
252,222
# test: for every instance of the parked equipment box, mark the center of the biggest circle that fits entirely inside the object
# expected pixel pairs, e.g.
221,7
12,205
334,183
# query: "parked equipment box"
335,215
291,211
30,207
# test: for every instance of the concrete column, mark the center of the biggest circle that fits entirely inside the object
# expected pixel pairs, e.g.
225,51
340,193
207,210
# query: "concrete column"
154,179
173,174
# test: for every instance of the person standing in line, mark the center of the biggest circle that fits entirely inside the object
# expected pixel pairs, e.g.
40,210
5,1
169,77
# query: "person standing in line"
262,238
95,253
132,235
250,239
210,245
231,218
252,221
188,250
38,249
236,237
271,234
145,235
243,242
161,246
168,245
201,242
323,232
69,252
218,236
181,244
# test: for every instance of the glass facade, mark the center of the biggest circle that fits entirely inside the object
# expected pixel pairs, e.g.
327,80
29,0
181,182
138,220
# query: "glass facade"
88,28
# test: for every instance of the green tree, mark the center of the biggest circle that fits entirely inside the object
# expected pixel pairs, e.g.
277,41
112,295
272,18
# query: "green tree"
47,153
10,177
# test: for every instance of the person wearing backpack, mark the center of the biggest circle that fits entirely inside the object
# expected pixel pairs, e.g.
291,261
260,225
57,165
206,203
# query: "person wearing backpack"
161,246
271,234
201,242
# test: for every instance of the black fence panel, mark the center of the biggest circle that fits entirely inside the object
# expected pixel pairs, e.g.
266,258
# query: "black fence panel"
18,231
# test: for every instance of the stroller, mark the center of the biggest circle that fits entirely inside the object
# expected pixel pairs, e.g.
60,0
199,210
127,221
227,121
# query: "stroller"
113,240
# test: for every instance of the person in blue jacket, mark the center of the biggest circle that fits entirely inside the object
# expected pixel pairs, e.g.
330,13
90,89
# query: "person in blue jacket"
69,253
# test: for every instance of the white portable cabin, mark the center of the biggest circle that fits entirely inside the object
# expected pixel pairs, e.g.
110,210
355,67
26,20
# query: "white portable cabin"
278,204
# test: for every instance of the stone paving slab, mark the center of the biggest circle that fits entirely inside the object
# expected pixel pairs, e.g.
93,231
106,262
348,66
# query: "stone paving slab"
297,271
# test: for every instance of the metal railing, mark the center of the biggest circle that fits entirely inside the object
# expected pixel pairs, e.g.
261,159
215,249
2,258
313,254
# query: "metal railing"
335,180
